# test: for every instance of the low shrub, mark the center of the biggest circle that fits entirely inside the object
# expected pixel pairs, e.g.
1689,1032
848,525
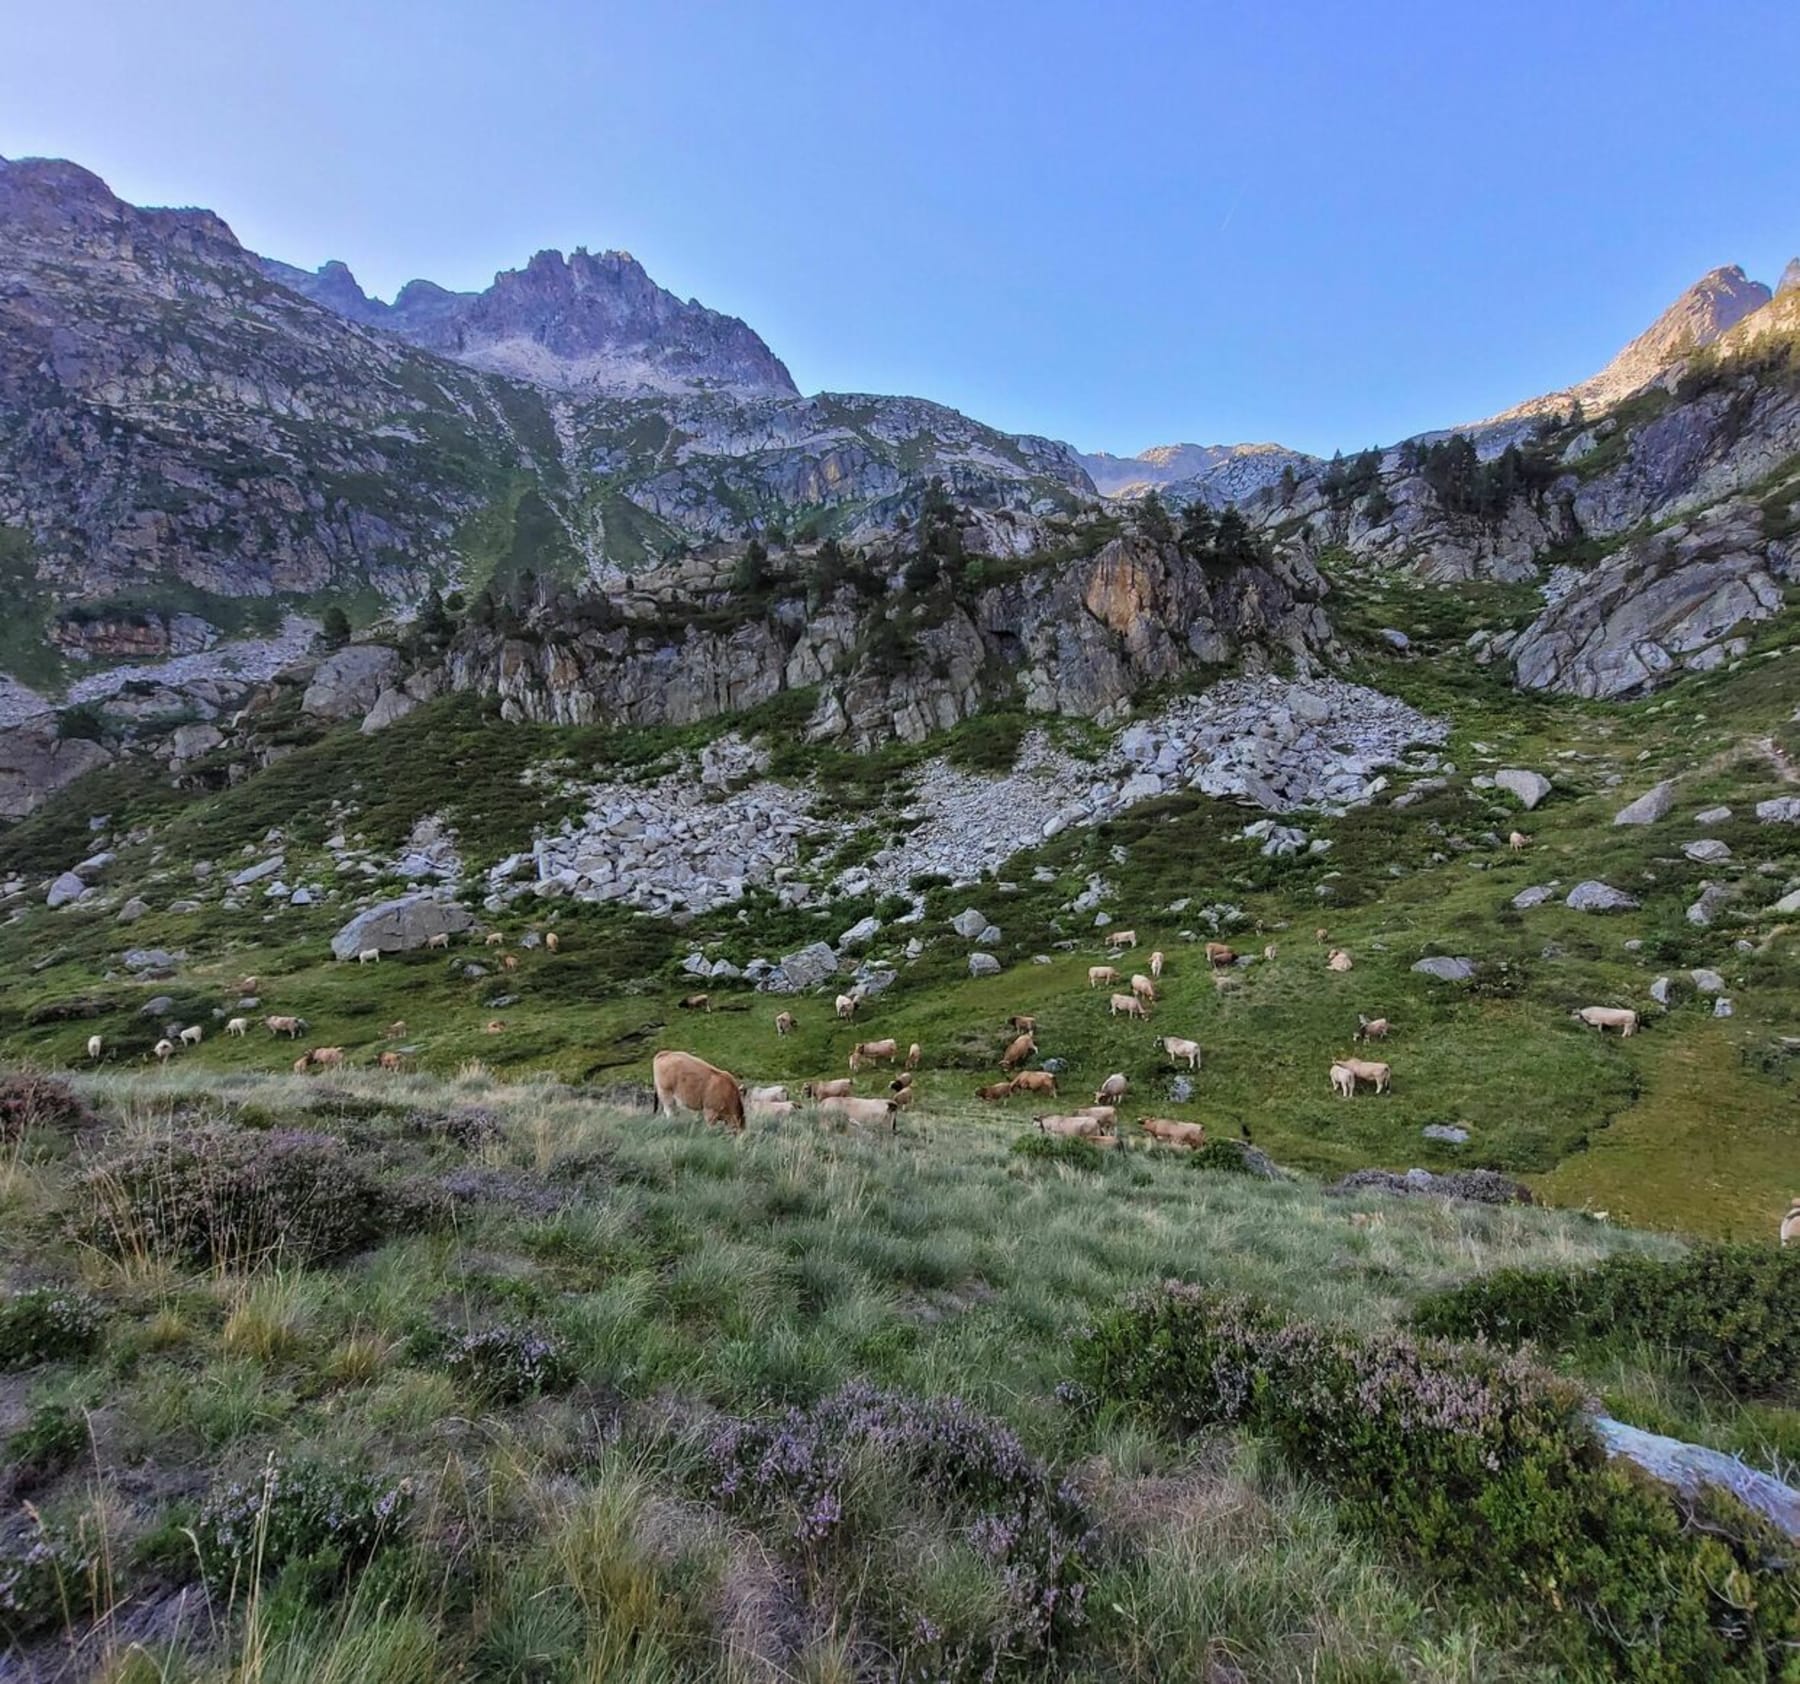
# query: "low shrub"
31,1101
1480,1467
46,1581
1059,1149
1008,1536
49,1441
46,1324
327,1521
236,1198
1731,1313
507,1363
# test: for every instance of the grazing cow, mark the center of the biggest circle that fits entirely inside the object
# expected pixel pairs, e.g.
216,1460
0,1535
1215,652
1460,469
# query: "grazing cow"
901,1097
1371,1028
1107,1114
246,985
369,956
1339,960
901,1082
695,1002
1219,955
510,962
441,939
1518,842
1156,964
1144,989
773,1108
874,1052
846,1005
193,1035
96,1046
1178,1049
1192,1136
292,1027
764,1095
1070,1128
396,1029
239,1026
325,1057
302,1064
913,1054
839,1087
1129,1004
1033,1081
392,1061
785,1023
551,943
1025,1025
165,1050
1604,1018
1021,1049
1346,1073
1790,1225
495,939
861,1110
1321,934
1112,1090
1098,974
996,1090
1122,938
1269,953
691,1083
494,1026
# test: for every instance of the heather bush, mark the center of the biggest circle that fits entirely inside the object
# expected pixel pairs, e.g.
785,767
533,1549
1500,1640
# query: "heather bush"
1059,1149
48,1442
307,1516
45,1581
1481,1467
507,1363
46,1324
1731,1313
30,1101
1008,1536
235,1198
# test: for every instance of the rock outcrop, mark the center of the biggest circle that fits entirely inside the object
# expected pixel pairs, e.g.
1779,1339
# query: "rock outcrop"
399,926
35,762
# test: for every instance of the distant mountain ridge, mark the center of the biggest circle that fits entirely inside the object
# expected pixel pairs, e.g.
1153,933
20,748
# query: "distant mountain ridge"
1222,473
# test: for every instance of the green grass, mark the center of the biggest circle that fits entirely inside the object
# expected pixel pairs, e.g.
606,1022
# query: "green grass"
685,1272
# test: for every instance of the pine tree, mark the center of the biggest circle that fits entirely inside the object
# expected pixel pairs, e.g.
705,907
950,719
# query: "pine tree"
334,627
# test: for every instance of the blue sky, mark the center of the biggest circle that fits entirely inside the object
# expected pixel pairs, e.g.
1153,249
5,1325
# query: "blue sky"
1322,223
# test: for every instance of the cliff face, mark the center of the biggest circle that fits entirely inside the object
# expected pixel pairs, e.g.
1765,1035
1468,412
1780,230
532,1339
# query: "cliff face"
1080,640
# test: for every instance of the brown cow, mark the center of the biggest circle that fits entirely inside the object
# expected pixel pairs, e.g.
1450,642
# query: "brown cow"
1173,1133
874,1052
838,1088
902,1097
323,1056
691,1083
396,1029
1021,1049
785,1023
494,1026
511,961
1371,1028
1034,1081
995,1090
1025,1024
901,1082
695,1002
301,1065
1218,955
392,1061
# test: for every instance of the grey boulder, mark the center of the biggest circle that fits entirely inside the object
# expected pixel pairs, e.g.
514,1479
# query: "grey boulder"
1594,896
1447,969
399,926
1652,805
348,684
1529,787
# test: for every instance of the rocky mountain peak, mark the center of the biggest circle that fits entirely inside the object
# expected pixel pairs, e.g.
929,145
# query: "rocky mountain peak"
44,199
1219,473
1790,278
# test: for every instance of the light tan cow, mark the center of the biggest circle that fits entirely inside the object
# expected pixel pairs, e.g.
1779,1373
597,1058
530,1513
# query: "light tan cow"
1790,1225
901,1097
1371,1028
773,1108
494,1026
874,1052
392,1061
1025,1024
1192,1136
1156,964
1107,1114
369,956
193,1035
1098,974
1346,1073
552,942
785,1023
96,1046
846,1005
1144,989
1112,1090
1022,1048
995,1090
323,1058
839,1087
1071,1127
861,1110
1339,961
901,1082
164,1050
913,1054
1129,1004
1219,955
292,1027
302,1064
510,962
238,1027
695,1003
1269,953
395,1030
765,1095
440,940
1177,1048
683,1081
1604,1018
1121,938
495,939
1034,1081
1518,842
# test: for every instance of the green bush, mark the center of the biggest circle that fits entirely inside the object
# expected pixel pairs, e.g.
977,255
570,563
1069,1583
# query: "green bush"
1731,1313
47,1324
49,1441
236,1198
1479,1466
46,1581
1059,1149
